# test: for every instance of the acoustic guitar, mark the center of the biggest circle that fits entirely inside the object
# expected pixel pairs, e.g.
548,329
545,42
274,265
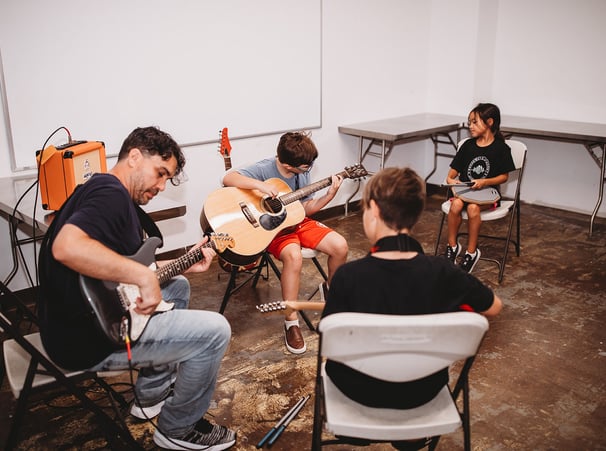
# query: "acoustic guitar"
113,304
225,152
287,307
255,219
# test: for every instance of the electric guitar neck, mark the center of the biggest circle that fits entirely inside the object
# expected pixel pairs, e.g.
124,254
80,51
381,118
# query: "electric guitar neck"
225,149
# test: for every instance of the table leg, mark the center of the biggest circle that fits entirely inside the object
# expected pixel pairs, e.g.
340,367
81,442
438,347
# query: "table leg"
602,164
436,141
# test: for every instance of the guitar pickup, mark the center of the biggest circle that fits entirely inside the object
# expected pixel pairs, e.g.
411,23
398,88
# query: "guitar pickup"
248,214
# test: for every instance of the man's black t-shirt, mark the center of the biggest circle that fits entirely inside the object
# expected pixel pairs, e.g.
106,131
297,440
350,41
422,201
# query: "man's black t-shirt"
103,208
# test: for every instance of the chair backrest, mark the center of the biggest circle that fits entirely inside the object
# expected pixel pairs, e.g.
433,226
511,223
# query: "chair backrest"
401,348
518,152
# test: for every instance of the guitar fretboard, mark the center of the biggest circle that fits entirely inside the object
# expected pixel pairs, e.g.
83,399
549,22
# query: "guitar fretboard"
179,265
309,189
227,161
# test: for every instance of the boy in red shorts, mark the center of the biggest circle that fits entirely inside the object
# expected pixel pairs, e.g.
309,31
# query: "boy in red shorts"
296,154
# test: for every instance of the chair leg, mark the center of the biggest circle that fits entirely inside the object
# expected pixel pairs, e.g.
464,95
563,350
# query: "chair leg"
439,234
232,287
21,404
263,265
515,213
518,228
462,387
307,320
231,284
320,269
466,420
117,435
269,261
113,394
322,273
433,444
316,439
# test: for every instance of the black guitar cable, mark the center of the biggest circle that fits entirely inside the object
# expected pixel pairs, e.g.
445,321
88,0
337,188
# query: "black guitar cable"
14,237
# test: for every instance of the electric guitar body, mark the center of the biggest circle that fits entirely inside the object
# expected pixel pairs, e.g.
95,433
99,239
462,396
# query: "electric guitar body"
113,304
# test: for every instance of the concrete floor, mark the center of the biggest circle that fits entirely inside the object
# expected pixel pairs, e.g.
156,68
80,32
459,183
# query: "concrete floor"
538,382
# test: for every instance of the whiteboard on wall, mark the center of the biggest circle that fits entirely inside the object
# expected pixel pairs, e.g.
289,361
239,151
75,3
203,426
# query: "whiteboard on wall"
190,67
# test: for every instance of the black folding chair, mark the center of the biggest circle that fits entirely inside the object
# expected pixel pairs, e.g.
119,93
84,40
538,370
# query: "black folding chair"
29,370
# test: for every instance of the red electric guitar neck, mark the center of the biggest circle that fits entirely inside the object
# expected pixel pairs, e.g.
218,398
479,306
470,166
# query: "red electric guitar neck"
225,149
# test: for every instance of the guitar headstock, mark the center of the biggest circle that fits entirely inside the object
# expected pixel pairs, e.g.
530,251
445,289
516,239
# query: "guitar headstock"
221,241
286,307
225,148
272,307
355,172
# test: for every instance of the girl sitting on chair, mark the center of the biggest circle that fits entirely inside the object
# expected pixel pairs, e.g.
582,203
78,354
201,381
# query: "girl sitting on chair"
484,160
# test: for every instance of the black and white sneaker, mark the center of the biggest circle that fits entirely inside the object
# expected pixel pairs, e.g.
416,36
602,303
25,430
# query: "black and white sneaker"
452,252
205,436
469,261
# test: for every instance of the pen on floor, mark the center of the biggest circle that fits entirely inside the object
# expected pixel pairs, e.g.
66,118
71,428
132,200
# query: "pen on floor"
279,423
280,429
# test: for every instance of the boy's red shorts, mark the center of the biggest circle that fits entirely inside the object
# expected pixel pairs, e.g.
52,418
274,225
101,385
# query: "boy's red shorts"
308,234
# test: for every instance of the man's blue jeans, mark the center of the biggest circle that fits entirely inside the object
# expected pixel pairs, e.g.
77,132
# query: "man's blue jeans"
188,344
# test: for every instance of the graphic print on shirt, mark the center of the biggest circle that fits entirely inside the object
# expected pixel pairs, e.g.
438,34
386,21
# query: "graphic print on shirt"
478,168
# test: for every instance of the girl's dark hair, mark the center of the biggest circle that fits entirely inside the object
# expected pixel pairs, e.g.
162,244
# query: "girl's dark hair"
400,195
153,141
490,111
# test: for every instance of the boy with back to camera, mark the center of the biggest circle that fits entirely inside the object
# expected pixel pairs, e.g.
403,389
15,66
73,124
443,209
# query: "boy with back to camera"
397,278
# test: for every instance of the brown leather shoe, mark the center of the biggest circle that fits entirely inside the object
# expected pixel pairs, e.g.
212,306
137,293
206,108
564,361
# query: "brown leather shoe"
294,340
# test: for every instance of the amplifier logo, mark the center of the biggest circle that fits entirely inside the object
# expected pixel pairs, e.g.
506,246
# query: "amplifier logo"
88,171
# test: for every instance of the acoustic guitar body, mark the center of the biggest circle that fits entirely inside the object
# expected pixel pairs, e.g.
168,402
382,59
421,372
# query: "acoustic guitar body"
251,217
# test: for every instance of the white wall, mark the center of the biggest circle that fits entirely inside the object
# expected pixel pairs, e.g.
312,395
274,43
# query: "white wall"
386,58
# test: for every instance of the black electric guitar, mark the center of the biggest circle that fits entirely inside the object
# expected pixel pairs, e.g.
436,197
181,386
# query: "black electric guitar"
225,152
254,219
113,303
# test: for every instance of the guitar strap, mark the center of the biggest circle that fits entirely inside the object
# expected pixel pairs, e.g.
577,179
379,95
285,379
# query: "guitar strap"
148,224
401,242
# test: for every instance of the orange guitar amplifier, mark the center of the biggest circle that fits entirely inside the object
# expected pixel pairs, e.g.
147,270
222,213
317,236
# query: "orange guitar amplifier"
64,167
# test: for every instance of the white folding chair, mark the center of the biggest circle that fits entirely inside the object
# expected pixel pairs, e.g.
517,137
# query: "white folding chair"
509,208
396,348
